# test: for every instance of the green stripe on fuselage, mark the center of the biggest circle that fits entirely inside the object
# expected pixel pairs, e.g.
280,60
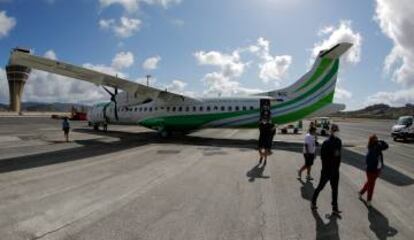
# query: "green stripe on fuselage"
299,114
188,122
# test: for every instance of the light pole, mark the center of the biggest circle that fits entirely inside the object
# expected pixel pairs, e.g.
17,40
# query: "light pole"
148,78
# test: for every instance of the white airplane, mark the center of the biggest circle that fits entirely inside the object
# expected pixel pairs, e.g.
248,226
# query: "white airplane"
165,112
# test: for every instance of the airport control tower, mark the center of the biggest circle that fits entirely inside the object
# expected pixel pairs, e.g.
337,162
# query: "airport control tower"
17,76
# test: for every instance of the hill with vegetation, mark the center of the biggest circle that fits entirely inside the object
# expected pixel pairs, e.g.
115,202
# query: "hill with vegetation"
383,111
47,107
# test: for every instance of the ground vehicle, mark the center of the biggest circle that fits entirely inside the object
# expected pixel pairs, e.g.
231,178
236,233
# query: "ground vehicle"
322,125
404,128
296,127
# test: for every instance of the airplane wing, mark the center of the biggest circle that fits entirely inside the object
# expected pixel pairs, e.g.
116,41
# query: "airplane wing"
140,91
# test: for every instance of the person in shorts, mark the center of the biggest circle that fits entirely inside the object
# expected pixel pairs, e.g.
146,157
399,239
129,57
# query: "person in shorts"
265,140
66,128
309,150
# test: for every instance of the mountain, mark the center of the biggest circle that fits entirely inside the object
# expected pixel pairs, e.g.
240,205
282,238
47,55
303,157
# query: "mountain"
47,107
378,111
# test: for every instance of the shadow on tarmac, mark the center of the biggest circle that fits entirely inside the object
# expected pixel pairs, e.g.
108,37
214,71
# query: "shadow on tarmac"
324,230
256,172
306,189
129,140
379,224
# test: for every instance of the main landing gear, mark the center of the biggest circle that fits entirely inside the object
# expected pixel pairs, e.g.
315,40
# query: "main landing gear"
97,125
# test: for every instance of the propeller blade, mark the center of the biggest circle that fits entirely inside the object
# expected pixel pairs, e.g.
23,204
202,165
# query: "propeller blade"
109,92
116,110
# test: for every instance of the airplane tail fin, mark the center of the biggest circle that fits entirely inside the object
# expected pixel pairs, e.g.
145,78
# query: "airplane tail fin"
321,77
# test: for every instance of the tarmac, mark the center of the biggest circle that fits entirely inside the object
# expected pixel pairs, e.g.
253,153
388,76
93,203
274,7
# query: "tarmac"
128,183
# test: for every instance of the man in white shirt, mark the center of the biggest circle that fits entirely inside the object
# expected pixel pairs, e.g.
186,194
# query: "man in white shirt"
309,150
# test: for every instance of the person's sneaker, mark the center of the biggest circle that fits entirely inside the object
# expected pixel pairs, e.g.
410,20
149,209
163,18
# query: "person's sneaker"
299,175
360,196
309,178
314,207
260,160
369,204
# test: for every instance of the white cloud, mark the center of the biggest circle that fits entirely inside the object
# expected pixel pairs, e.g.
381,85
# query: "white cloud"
222,82
122,60
275,68
396,21
397,98
231,67
50,54
336,34
133,5
126,27
230,64
179,86
6,24
219,84
272,68
341,93
151,63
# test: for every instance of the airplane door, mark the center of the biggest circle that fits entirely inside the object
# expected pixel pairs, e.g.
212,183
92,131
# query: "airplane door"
265,113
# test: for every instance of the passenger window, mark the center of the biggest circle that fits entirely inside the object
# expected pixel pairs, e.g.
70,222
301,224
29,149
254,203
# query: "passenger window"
208,108
173,109
222,108
187,109
168,109
180,109
237,108
230,108
251,108
140,109
244,108
201,109
150,109
145,109
194,109
215,108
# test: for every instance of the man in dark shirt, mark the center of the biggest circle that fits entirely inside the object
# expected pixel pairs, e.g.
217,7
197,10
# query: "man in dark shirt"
331,160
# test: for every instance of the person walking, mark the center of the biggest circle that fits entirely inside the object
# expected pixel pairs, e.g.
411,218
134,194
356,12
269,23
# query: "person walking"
309,150
331,161
375,163
265,140
66,128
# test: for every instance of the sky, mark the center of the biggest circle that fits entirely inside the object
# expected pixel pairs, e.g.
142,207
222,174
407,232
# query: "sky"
215,47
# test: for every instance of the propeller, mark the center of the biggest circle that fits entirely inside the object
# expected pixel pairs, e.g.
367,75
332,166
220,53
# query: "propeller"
113,99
